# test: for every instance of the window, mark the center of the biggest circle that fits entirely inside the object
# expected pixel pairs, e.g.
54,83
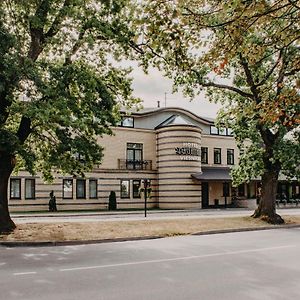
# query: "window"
127,122
15,188
214,130
134,156
135,188
125,189
226,192
229,132
93,194
80,189
241,190
29,188
230,156
204,155
68,188
222,131
217,155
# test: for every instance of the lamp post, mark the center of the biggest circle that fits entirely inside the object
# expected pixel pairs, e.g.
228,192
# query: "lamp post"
146,182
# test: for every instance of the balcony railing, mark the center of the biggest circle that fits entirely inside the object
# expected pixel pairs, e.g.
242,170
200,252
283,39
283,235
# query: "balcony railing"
129,164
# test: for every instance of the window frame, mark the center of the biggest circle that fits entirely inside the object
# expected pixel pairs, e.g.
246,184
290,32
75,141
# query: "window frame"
123,118
95,181
32,186
215,128
230,154
204,156
84,188
241,191
217,154
72,188
127,196
136,196
10,189
133,165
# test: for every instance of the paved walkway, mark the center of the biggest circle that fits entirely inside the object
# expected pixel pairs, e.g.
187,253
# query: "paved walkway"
92,216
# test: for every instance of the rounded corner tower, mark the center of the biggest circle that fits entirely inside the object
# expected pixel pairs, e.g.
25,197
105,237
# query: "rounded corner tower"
178,156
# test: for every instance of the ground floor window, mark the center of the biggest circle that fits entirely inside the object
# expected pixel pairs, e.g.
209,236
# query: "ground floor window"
136,184
68,188
80,189
15,188
226,192
93,188
29,188
125,189
241,190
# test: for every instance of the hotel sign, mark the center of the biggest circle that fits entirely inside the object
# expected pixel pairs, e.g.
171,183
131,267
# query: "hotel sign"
189,151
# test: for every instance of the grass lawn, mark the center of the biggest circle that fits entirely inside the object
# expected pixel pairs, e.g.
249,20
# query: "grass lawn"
127,229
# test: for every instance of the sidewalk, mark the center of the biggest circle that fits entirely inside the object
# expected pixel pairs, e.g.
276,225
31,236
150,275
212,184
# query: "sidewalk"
92,216
77,228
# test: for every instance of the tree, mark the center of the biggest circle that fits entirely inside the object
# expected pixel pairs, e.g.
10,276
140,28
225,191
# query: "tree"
59,89
246,55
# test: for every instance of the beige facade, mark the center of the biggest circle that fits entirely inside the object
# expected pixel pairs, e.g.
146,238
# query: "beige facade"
185,158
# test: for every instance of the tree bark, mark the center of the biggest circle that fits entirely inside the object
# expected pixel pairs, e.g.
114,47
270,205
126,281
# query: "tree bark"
7,164
267,206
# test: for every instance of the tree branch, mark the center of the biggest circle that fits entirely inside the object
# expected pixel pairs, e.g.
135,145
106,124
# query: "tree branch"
249,78
270,71
58,20
227,87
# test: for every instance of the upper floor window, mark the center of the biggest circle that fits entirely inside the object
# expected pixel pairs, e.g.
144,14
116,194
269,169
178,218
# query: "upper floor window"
15,188
230,156
134,156
217,155
126,122
204,155
214,130
29,188
220,131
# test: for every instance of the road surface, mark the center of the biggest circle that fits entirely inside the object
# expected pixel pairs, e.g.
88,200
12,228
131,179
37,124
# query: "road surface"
262,265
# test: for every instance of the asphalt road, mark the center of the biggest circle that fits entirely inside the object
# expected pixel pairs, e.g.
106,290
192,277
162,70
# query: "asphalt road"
250,265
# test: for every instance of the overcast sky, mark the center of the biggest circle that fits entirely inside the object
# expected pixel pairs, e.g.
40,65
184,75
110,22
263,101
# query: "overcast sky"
152,88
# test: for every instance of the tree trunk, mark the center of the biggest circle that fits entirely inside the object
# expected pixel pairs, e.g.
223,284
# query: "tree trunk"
267,205
7,164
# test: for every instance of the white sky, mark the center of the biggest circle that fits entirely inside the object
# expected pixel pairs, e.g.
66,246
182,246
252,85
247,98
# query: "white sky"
152,88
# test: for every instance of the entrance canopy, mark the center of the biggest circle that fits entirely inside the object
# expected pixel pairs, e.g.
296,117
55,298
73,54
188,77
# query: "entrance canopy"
213,174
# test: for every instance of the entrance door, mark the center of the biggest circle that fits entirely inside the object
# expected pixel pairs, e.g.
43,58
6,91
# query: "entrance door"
205,193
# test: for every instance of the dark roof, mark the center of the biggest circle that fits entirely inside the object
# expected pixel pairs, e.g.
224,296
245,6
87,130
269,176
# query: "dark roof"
150,110
213,174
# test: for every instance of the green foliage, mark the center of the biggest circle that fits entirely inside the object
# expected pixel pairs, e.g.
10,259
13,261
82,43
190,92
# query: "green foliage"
59,88
244,54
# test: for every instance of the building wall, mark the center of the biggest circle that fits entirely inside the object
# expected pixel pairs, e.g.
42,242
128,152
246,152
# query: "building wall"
177,189
170,173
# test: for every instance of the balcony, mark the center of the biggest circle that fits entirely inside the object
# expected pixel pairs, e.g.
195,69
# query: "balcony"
129,164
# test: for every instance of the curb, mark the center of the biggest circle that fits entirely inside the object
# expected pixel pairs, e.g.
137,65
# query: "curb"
14,244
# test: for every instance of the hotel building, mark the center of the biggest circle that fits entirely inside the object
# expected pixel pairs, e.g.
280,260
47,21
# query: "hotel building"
185,158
